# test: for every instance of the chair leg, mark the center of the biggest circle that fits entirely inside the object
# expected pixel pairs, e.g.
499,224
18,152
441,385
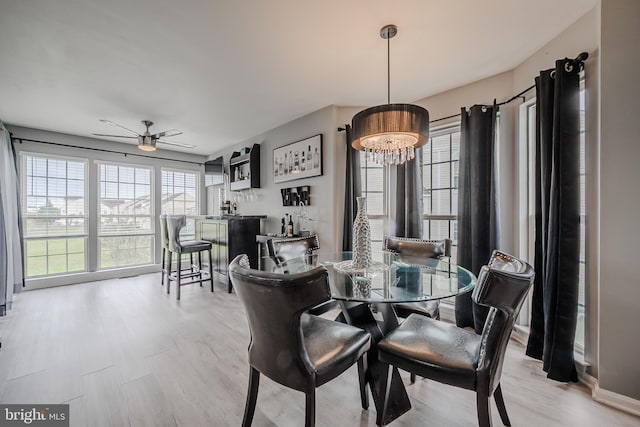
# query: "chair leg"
169,271
497,396
413,378
310,407
484,410
211,269
164,265
191,268
362,373
178,274
252,397
386,372
200,267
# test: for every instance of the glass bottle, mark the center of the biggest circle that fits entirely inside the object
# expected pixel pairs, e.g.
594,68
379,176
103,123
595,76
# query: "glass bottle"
302,162
286,164
290,161
309,155
296,162
316,159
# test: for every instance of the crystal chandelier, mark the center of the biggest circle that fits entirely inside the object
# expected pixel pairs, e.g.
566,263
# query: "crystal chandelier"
390,133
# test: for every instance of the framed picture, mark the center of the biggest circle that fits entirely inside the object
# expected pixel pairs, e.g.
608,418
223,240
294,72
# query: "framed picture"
300,159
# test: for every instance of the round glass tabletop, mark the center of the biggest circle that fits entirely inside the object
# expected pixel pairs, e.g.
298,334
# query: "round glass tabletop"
391,278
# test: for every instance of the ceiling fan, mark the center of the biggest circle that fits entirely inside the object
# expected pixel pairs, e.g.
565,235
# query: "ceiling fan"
147,140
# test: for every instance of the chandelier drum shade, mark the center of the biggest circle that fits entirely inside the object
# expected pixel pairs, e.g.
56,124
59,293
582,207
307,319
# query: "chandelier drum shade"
390,133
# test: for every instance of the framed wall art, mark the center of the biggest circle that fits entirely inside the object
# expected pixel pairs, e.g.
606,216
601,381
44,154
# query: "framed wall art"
300,159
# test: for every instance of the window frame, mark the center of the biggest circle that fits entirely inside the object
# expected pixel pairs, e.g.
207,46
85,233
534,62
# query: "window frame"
152,217
452,217
23,204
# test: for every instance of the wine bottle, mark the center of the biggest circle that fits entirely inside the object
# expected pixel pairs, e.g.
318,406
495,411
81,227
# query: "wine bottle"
290,227
316,159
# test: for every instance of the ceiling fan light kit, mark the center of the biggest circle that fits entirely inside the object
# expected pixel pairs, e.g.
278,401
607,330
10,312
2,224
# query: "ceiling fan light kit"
146,141
390,133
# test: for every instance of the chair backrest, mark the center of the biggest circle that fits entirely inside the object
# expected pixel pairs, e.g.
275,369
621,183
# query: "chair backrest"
164,234
174,225
274,304
418,247
281,250
503,285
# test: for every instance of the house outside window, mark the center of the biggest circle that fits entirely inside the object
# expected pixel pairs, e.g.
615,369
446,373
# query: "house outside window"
125,216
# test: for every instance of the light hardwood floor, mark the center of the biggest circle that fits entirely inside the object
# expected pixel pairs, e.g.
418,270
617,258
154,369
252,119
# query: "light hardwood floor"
124,353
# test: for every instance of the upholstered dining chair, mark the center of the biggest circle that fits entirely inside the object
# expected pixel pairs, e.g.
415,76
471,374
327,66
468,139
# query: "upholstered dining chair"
281,250
293,348
451,355
180,247
410,247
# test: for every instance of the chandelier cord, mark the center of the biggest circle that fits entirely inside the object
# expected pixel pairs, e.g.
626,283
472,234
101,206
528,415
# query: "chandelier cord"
388,70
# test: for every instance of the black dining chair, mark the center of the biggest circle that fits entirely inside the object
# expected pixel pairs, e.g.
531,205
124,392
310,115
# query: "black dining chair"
293,348
181,247
281,250
418,248
451,355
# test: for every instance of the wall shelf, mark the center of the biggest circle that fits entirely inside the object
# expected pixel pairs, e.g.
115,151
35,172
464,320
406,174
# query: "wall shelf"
244,169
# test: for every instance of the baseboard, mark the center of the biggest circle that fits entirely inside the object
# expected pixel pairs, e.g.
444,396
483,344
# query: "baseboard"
618,401
85,277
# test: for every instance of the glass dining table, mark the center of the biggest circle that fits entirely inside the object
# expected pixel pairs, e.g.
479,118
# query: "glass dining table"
366,297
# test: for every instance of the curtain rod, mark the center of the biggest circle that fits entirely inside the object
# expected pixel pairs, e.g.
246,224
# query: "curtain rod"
578,60
20,140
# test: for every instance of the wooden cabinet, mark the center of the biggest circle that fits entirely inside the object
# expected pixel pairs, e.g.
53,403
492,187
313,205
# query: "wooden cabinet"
224,249
244,169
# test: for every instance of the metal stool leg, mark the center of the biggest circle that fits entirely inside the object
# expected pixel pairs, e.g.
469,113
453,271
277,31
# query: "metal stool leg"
211,269
178,274
200,267
169,271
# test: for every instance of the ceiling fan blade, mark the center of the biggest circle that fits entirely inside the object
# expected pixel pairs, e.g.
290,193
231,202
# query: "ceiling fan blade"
171,132
115,136
110,123
177,144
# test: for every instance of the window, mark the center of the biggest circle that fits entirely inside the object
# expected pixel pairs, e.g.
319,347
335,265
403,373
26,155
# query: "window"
125,211
55,211
180,192
440,185
374,188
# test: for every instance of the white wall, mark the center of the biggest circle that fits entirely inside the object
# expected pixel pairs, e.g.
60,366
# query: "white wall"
619,197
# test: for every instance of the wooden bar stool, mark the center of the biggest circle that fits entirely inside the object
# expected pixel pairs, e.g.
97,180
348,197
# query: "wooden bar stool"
174,224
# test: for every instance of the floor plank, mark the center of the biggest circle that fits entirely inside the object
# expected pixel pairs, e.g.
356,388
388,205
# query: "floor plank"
124,353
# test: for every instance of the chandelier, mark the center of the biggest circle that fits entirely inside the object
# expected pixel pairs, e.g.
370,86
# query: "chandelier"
390,133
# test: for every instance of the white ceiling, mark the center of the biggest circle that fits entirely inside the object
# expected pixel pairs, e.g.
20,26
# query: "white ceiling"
224,71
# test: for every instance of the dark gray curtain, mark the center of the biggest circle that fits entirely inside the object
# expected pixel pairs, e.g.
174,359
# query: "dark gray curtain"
352,189
557,245
478,227
11,253
409,208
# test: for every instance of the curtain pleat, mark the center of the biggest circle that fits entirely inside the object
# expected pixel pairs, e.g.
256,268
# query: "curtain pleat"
11,252
478,225
409,218
352,190
557,217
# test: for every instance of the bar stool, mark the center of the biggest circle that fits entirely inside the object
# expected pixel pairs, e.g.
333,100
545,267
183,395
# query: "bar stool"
164,235
174,224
